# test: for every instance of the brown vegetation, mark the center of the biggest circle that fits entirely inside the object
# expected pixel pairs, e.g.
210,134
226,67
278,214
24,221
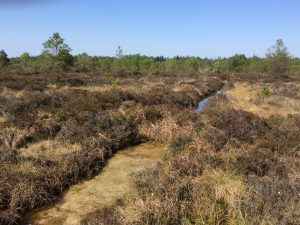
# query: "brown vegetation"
53,136
223,166
236,162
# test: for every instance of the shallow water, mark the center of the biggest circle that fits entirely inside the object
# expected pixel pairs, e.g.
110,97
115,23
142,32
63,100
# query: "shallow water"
203,102
103,189
201,105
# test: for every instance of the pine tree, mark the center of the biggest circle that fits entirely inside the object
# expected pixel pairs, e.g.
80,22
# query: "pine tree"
279,59
4,60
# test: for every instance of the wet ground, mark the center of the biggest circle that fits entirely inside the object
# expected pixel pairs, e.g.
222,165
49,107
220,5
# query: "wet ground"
111,183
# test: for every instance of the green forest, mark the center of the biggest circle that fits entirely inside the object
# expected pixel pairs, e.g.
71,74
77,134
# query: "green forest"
56,57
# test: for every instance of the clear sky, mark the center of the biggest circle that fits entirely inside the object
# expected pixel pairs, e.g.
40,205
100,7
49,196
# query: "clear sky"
207,28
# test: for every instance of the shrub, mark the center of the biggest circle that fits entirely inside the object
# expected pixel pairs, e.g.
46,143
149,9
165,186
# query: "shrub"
7,155
109,79
257,65
84,63
238,124
264,92
153,114
179,142
237,63
216,137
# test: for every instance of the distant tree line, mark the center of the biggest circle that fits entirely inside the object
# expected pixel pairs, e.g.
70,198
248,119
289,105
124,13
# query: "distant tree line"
56,56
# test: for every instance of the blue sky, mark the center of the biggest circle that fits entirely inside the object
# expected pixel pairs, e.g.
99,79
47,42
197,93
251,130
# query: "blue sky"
208,28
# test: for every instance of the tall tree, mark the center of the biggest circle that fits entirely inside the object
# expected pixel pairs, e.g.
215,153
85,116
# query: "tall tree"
56,47
4,60
279,59
55,44
119,52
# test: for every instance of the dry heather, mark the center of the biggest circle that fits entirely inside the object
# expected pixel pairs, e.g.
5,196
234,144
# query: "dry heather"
56,130
223,166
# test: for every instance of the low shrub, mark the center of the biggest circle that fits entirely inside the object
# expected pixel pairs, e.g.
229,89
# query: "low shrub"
264,92
109,79
179,142
153,114
7,155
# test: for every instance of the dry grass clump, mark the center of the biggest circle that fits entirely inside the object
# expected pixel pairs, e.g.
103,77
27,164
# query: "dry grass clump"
217,198
50,150
6,92
12,137
162,131
2,119
289,89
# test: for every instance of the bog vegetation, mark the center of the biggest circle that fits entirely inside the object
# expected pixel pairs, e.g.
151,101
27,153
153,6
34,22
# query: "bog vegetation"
236,162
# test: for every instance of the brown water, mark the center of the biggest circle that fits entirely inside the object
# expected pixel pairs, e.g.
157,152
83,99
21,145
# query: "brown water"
102,190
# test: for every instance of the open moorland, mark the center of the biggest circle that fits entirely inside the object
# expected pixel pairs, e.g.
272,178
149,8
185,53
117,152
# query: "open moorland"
55,137
237,161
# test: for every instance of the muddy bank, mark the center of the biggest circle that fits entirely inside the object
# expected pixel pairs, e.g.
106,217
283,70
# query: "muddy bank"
113,182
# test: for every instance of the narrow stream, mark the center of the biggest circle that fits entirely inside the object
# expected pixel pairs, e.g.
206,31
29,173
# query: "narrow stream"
103,189
203,102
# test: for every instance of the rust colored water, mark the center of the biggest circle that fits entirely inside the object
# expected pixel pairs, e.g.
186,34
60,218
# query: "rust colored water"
111,183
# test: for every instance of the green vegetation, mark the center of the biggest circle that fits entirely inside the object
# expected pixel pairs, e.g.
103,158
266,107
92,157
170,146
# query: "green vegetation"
56,48
56,57
279,59
3,59
110,79
237,63
264,92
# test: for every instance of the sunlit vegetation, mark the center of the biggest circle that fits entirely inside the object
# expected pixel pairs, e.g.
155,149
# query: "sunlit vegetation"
56,57
236,162
224,166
